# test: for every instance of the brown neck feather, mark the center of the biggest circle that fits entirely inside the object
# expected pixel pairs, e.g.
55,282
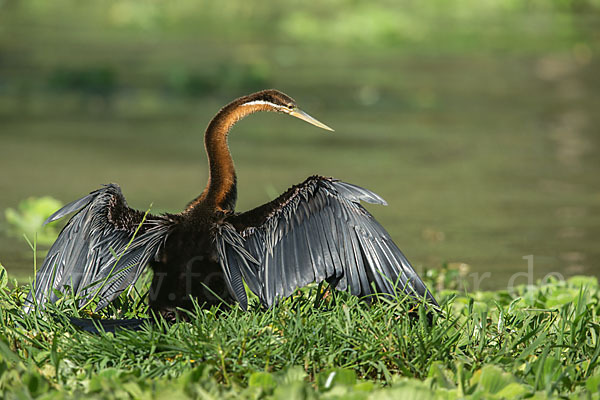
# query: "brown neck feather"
221,192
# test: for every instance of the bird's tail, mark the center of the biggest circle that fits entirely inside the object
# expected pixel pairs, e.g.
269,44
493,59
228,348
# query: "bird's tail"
109,325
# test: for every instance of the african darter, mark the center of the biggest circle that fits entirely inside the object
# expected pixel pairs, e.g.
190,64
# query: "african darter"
316,231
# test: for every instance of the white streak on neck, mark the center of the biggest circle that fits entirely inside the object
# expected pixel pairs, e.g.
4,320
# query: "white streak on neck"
262,102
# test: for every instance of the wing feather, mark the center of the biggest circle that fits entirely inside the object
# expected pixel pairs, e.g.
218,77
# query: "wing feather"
316,231
102,250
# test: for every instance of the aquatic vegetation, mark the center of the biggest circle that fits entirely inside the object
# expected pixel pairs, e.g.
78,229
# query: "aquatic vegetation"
29,217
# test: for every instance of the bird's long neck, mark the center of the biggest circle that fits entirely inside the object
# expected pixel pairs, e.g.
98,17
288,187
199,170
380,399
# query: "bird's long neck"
221,191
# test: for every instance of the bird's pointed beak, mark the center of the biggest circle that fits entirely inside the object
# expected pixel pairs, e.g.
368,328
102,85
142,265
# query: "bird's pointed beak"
298,113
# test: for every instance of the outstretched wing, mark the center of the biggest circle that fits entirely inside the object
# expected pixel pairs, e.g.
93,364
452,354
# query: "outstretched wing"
103,249
315,231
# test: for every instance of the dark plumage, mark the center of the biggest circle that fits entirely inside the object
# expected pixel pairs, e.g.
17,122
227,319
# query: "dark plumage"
316,231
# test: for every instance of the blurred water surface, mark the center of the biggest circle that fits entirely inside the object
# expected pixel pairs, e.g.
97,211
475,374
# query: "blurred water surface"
483,142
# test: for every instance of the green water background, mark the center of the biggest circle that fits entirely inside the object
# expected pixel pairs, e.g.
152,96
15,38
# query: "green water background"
476,121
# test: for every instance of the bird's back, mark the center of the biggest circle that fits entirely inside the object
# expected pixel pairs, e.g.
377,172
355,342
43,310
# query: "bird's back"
187,268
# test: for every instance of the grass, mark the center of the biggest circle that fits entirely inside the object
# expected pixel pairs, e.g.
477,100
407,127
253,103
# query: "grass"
541,342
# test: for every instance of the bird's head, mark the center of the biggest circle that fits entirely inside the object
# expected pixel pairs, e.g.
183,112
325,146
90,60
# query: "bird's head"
274,100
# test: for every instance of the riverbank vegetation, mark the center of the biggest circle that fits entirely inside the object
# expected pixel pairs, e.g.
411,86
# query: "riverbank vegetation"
531,342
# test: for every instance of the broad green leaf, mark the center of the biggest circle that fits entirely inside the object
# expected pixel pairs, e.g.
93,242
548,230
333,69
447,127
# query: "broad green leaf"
512,391
263,380
492,379
407,389
29,217
593,384
294,374
441,376
582,280
336,376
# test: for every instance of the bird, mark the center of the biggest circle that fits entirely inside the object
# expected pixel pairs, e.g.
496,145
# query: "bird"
316,231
